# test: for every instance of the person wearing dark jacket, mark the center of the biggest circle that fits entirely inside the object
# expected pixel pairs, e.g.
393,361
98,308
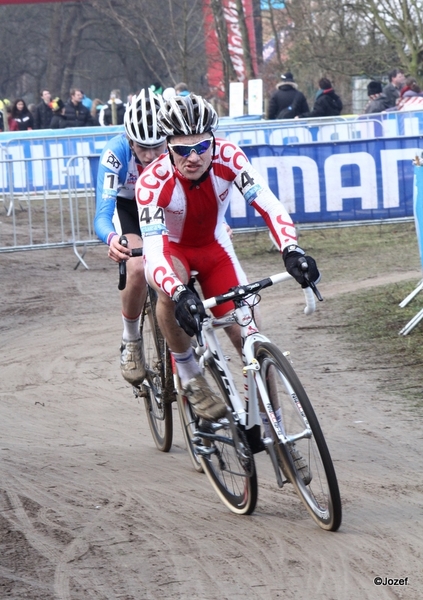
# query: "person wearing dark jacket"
77,115
58,120
114,111
393,89
287,102
43,112
378,101
327,103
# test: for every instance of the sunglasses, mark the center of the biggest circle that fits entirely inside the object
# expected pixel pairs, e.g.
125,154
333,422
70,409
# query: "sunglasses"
185,150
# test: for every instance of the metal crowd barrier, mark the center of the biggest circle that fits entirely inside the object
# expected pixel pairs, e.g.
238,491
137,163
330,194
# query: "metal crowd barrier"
47,177
49,202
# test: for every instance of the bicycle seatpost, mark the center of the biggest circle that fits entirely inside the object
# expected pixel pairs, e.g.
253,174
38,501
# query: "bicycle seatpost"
122,265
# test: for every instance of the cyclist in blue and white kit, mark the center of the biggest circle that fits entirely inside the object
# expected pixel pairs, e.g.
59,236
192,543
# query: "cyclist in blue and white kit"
121,163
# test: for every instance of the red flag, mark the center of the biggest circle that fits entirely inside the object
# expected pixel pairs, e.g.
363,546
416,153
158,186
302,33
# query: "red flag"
214,59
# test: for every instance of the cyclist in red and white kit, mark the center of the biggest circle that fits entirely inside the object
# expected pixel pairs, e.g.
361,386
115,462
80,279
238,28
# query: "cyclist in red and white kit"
182,198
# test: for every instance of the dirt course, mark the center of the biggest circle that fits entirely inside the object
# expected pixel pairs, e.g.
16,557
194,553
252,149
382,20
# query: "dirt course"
89,509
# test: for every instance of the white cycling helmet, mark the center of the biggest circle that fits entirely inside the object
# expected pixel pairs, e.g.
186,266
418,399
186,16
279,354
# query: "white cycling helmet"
187,115
141,119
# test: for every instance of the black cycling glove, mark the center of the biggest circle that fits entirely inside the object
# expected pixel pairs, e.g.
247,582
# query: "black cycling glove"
297,263
188,304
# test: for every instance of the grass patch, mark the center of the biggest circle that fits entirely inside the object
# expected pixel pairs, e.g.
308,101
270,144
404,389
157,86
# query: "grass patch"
372,317
375,320
346,253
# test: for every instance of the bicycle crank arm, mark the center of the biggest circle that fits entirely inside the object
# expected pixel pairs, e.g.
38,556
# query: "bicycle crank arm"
204,450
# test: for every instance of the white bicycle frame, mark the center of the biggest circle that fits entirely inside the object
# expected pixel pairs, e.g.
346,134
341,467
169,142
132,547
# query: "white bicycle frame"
247,409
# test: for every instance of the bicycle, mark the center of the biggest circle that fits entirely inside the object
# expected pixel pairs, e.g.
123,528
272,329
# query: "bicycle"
225,450
287,429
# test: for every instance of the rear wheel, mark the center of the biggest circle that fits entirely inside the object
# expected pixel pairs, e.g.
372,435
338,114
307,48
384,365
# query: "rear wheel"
157,388
305,461
229,466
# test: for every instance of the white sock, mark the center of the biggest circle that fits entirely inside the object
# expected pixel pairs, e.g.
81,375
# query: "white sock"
187,365
131,329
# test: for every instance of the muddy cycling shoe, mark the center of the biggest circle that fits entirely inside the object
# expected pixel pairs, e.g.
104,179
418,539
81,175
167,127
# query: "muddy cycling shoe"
204,402
132,364
301,465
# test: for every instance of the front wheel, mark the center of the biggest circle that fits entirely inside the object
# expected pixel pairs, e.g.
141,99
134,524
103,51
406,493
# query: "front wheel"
305,460
229,465
157,388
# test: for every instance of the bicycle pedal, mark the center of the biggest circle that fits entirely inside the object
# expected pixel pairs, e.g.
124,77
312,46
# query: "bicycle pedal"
205,450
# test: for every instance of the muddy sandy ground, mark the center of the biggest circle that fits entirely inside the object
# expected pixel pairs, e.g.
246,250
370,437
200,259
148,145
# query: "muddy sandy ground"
90,509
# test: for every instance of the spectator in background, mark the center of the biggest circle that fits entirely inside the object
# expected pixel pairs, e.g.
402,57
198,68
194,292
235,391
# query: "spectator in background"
77,115
4,114
22,116
96,107
287,102
58,120
378,101
114,111
43,112
393,88
157,88
411,96
181,89
327,103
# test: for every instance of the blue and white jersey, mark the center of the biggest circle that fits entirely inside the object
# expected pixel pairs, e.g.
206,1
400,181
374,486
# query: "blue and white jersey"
117,175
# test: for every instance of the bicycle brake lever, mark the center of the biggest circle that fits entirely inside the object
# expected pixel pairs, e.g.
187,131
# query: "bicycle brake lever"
199,332
315,290
304,267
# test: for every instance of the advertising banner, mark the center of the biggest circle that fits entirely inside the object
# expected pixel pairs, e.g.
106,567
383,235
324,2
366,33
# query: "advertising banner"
320,183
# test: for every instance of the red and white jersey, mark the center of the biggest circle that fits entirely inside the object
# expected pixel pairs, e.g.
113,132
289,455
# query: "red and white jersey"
191,214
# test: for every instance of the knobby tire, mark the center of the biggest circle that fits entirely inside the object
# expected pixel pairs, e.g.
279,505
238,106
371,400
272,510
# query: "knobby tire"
157,388
321,495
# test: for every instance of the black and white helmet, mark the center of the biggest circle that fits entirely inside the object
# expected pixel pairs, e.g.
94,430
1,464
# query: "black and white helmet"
187,115
141,119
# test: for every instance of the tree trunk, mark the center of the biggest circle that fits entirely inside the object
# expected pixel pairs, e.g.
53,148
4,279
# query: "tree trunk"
246,46
55,50
229,73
